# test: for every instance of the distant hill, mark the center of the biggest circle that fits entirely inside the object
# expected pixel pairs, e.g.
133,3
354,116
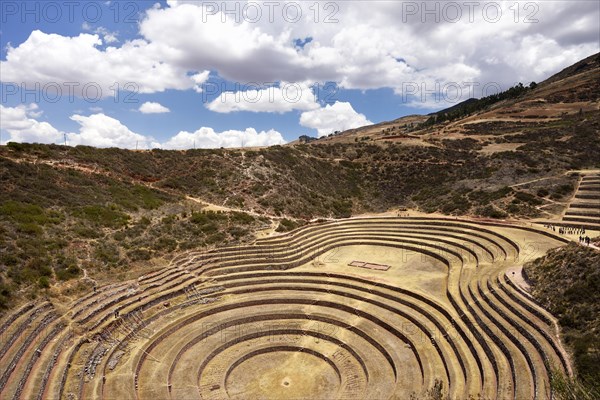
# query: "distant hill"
573,89
459,106
589,64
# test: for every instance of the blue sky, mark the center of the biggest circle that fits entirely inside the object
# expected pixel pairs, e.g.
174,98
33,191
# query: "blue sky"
196,63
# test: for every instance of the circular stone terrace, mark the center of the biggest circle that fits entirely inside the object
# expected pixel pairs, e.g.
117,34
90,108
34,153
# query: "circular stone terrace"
364,308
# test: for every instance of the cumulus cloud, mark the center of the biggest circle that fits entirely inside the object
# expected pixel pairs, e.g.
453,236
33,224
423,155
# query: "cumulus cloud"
278,99
151,107
100,130
199,79
20,124
108,36
337,117
368,48
78,66
375,44
207,138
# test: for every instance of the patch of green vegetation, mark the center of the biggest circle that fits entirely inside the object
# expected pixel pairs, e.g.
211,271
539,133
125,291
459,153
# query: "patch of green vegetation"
528,198
43,282
66,268
241,218
560,191
482,197
566,388
5,294
473,105
131,198
490,211
542,192
566,281
24,213
139,254
105,216
457,204
286,225
107,253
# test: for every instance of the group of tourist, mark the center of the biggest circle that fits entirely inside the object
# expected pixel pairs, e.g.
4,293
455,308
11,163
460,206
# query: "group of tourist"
583,239
566,230
572,231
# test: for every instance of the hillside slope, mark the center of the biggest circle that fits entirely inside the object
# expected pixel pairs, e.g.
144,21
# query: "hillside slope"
567,283
573,90
68,213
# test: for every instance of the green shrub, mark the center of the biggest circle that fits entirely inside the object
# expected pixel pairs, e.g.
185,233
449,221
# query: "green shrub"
242,218
108,253
70,272
30,228
543,192
490,211
164,243
24,213
483,197
17,146
66,268
286,225
217,238
528,198
139,255
86,232
5,295
103,216
43,282
558,192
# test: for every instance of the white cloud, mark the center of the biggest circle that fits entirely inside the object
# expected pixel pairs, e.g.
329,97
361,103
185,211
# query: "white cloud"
32,110
195,38
199,79
20,123
362,51
283,98
372,46
100,130
365,49
108,36
337,117
51,58
208,138
150,107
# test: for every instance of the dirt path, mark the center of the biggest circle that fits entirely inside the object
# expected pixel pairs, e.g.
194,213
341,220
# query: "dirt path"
69,164
515,274
87,277
533,181
578,171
